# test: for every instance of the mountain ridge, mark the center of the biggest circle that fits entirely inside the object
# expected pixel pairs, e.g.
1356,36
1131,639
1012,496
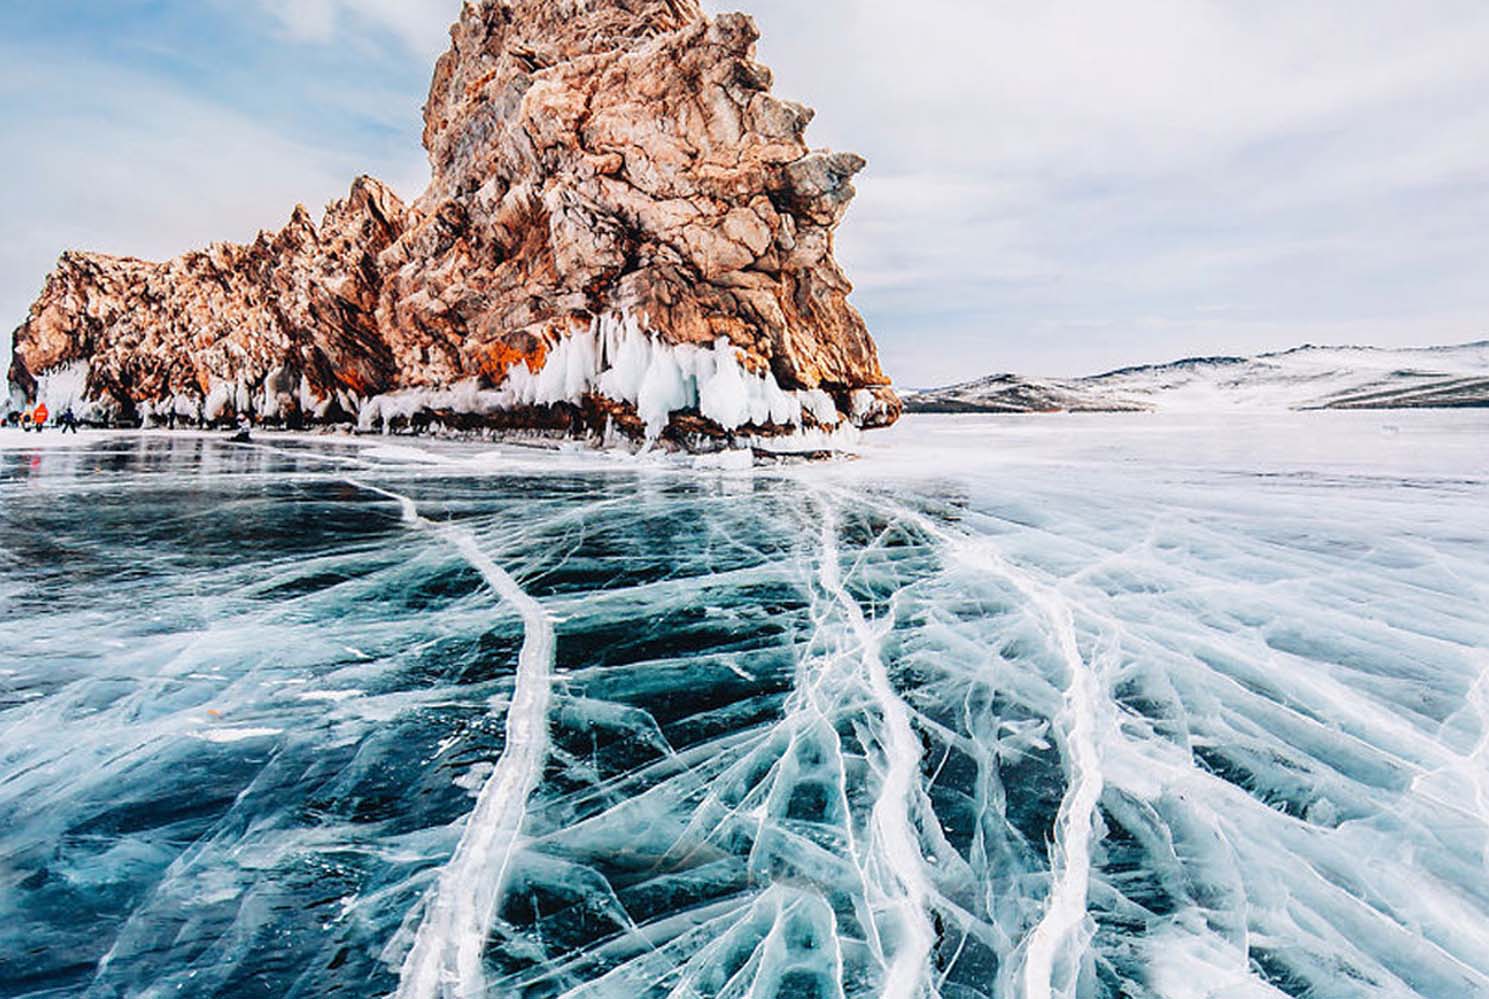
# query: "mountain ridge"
1309,376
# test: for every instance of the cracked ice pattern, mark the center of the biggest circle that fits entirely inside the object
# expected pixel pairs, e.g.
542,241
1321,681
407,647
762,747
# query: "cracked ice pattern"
1161,708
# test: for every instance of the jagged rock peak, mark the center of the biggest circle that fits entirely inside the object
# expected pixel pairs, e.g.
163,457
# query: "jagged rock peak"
612,173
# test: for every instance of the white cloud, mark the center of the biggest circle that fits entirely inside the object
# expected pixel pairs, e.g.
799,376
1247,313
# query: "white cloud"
1317,164
1053,187
422,25
131,166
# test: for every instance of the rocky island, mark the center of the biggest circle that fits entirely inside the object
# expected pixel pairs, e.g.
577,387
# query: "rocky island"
625,234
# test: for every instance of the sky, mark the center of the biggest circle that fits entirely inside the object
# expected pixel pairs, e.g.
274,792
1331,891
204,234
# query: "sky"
1057,188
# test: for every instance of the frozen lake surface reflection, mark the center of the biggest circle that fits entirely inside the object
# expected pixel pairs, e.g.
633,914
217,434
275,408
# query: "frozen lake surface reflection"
1053,706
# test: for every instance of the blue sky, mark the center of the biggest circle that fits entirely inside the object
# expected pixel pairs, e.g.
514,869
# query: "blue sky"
1054,188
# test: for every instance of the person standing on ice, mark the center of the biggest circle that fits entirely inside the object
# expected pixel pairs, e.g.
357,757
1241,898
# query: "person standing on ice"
39,417
245,430
68,422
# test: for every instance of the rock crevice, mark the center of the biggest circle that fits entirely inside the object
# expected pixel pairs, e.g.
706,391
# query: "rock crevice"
612,161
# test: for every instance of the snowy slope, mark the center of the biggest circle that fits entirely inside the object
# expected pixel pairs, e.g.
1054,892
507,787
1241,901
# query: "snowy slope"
1303,378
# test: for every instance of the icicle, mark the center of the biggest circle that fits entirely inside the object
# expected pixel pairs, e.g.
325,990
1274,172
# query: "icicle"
615,358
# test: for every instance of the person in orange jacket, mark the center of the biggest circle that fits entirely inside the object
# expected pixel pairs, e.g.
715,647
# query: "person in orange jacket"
39,416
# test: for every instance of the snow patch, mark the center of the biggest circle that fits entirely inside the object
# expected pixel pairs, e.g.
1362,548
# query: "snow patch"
227,736
330,696
726,461
845,438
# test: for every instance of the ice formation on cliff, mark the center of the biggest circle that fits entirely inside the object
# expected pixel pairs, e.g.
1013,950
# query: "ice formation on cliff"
616,359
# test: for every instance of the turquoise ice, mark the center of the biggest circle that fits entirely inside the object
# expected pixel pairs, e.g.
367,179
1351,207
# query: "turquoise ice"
1147,706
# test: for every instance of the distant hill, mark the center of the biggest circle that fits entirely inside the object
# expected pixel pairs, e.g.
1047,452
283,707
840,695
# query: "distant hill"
1303,378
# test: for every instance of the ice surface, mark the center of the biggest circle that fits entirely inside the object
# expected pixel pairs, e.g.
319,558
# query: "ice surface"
447,954
1054,706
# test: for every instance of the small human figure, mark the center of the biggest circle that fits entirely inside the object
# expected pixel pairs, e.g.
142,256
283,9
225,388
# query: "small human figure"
68,422
39,417
245,430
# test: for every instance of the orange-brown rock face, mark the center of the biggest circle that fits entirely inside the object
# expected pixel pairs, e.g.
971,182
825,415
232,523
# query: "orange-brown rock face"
615,194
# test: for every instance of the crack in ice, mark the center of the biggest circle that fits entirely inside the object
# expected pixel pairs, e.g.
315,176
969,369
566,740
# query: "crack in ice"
894,842
1066,909
446,961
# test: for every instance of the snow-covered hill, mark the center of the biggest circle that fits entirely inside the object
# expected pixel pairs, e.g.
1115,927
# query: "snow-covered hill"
1303,378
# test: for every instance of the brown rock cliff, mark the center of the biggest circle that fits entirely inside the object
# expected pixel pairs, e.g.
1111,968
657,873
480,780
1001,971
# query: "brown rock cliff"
590,161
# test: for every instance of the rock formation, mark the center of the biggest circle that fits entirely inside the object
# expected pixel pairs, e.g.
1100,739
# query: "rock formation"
624,229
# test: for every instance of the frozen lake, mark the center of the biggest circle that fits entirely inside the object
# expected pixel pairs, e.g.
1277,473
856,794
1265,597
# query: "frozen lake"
1098,706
